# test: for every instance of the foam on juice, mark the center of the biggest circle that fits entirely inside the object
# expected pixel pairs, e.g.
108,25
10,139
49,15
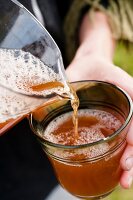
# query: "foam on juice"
93,124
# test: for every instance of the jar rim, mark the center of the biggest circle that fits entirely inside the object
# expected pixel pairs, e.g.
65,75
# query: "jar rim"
103,140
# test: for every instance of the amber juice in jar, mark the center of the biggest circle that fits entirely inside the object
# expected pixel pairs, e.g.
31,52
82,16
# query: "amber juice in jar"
86,164
78,175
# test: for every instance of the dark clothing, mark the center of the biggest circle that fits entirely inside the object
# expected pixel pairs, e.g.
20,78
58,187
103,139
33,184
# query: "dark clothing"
25,172
53,12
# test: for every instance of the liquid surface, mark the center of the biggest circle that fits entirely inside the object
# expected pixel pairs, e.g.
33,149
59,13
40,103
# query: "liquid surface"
93,125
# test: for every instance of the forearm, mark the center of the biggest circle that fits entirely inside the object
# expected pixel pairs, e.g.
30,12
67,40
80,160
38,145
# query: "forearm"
95,37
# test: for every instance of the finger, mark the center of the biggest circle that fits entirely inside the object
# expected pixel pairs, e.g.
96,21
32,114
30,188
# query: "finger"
130,134
127,179
122,79
127,158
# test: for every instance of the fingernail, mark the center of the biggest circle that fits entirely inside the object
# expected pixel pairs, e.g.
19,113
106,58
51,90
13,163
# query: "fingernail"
129,163
130,180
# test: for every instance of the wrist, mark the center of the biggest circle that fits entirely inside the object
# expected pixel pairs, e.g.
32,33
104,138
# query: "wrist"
95,37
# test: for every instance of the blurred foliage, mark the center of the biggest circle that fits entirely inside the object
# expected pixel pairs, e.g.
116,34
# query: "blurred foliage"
121,194
124,57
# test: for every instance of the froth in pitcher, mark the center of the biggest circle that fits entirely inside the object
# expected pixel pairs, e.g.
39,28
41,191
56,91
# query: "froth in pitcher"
21,70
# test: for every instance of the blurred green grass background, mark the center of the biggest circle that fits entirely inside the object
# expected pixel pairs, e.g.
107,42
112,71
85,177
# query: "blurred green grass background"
123,57
121,194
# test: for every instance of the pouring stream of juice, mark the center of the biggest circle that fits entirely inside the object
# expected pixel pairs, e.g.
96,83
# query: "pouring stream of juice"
27,83
29,57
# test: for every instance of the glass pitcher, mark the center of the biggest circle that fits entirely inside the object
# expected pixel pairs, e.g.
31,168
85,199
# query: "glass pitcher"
31,67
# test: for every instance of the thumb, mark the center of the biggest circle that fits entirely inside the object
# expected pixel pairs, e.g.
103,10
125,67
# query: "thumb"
122,79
